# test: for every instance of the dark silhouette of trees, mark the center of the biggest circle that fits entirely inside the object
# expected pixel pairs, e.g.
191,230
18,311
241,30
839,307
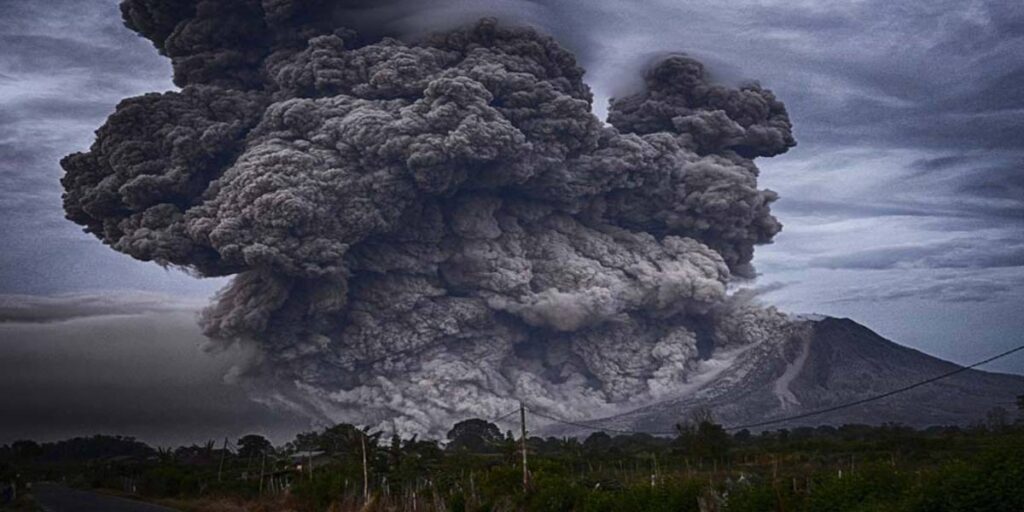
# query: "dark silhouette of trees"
26,450
346,441
253,445
852,467
597,442
476,435
701,437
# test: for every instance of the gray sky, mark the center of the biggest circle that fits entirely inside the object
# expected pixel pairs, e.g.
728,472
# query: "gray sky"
903,205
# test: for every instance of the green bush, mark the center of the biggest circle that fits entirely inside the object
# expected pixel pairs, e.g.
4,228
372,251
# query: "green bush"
869,488
753,498
991,482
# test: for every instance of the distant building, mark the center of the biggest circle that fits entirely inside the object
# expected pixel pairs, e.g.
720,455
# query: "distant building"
302,461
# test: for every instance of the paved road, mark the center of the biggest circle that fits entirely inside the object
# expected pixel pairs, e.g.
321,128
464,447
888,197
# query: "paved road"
57,498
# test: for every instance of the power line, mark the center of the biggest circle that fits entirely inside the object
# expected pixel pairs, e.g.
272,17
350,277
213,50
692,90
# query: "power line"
584,425
506,415
854,403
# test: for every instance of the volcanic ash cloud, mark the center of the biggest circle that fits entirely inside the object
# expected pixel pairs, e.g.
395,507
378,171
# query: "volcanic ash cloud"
432,230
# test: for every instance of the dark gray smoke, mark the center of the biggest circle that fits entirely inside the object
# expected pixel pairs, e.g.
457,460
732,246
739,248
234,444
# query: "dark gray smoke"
428,230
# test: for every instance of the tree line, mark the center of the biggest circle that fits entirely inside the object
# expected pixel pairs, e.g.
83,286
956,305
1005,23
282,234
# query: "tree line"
479,467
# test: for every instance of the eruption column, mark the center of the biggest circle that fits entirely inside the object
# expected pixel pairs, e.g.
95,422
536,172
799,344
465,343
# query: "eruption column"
435,229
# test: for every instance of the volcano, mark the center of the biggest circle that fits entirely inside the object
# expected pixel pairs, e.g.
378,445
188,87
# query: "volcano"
833,361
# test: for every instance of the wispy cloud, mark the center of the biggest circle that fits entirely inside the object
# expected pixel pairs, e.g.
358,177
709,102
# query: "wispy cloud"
959,291
63,307
957,253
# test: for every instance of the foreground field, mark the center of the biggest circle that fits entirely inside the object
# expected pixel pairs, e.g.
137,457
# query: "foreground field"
851,468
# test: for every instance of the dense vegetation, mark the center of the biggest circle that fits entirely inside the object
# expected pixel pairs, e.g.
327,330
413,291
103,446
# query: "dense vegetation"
479,468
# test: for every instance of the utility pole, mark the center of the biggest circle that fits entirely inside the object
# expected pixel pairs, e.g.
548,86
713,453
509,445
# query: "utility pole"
223,454
654,475
366,477
522,424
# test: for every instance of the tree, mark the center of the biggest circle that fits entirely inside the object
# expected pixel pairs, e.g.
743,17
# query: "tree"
598,442
475,435
304,442
26,450
701,436
713,439
345,440
253,445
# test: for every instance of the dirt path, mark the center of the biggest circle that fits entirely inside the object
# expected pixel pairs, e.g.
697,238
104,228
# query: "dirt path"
57,498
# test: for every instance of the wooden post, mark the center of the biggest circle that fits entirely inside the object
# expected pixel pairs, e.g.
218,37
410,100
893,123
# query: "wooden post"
522,425
309,462
263,469
366,480
223,453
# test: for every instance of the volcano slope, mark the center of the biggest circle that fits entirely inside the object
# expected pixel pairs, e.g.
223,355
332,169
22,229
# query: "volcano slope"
832,361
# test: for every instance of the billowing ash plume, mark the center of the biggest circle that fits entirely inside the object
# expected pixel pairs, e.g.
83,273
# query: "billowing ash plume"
421,231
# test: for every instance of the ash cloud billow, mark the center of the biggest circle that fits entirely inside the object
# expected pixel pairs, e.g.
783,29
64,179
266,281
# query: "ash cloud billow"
430,230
